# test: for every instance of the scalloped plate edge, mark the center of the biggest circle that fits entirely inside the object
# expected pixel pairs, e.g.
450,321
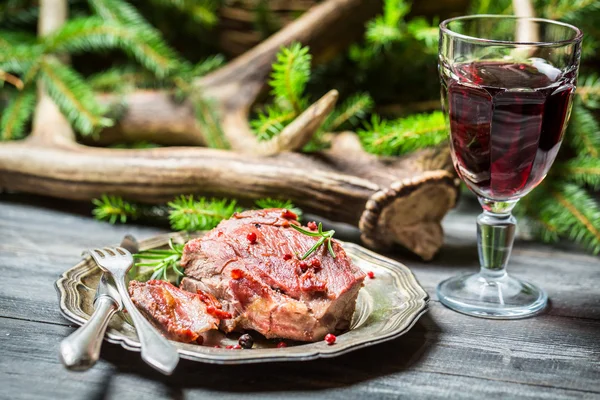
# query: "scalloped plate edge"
418,306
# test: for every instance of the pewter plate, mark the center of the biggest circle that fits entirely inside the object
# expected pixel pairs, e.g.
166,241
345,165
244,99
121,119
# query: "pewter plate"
387,307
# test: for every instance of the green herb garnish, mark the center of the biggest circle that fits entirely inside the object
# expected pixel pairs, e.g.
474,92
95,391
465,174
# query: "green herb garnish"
325,237
161,261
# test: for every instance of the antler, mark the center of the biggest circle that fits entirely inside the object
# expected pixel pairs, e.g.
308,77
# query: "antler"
393,200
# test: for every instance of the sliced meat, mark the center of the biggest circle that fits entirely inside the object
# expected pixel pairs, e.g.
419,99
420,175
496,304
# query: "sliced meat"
251,264
179,314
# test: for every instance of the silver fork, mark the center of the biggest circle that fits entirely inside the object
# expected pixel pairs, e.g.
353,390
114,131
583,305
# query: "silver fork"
156,349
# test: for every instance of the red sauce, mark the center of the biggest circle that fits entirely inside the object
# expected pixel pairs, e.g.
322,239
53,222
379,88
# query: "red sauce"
289,215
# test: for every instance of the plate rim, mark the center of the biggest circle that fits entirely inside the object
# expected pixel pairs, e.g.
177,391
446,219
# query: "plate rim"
66,287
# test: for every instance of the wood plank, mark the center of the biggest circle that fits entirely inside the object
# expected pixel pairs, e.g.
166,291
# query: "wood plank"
28,360
556,355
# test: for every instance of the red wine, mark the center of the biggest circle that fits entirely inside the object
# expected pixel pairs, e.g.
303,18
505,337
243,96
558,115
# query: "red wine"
507,122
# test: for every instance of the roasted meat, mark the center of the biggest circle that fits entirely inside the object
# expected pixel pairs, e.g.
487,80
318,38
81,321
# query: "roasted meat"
180,315
251,264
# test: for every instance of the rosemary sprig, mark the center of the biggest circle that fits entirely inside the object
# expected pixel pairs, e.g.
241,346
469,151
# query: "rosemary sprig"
161,261
325,237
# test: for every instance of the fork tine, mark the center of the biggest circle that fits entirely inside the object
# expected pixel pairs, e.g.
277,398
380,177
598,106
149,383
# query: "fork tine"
123,251
110,251
96,254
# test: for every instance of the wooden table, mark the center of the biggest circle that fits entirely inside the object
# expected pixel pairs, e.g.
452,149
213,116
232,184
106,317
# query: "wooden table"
446,355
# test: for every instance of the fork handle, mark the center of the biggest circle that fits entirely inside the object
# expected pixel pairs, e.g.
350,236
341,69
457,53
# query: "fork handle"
81,349
156,349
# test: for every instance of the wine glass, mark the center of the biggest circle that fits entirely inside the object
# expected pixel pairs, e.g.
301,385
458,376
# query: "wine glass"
507,88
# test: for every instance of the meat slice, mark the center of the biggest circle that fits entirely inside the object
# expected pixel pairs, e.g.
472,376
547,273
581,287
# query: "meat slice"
251,263
181,315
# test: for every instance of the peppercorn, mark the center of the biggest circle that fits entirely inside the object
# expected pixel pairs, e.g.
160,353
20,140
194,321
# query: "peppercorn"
246,341
251,237
303,266
312,225
371,274
287,257
330,339
281,345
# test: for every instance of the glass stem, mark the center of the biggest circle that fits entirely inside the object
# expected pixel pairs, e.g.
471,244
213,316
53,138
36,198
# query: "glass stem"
496,228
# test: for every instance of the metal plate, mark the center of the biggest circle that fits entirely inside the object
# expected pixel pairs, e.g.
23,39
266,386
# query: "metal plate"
387,307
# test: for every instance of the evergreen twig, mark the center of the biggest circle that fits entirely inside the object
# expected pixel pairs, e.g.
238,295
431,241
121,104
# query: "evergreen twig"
584,132
351,112
581,170
16,115
190,214
403,135
73,96
291,72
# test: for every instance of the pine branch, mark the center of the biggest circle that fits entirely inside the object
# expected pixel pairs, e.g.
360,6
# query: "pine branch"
207,115
122,79
581,170
351,112
93,33
16,38
16,115
271,121
114,208
73,96
588,90
403,135
584,132
189,214
558,209
202,11
576,215
570,10
119,12
207,65
290,74
428,34
20,59
385,30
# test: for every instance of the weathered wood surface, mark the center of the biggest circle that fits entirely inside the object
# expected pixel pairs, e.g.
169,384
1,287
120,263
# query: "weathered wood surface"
446,355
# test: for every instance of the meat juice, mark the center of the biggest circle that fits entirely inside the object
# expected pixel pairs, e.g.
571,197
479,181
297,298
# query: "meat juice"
507,122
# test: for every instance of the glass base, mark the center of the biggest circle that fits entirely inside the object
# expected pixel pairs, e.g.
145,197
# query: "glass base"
503,297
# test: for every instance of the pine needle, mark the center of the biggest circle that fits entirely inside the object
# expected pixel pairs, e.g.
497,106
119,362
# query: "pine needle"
122,79
202,11
20,59
207,115
351,112
74,97
271,121
291,72
405,134
16,38
428,34
16,115
588,90
385,29
93,33
190,214
584,132
558,209
581,170
114,209
119,11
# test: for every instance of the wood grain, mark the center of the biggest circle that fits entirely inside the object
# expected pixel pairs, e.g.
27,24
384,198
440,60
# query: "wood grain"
446,355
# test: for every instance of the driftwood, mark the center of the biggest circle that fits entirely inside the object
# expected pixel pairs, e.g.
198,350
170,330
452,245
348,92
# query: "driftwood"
393,201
